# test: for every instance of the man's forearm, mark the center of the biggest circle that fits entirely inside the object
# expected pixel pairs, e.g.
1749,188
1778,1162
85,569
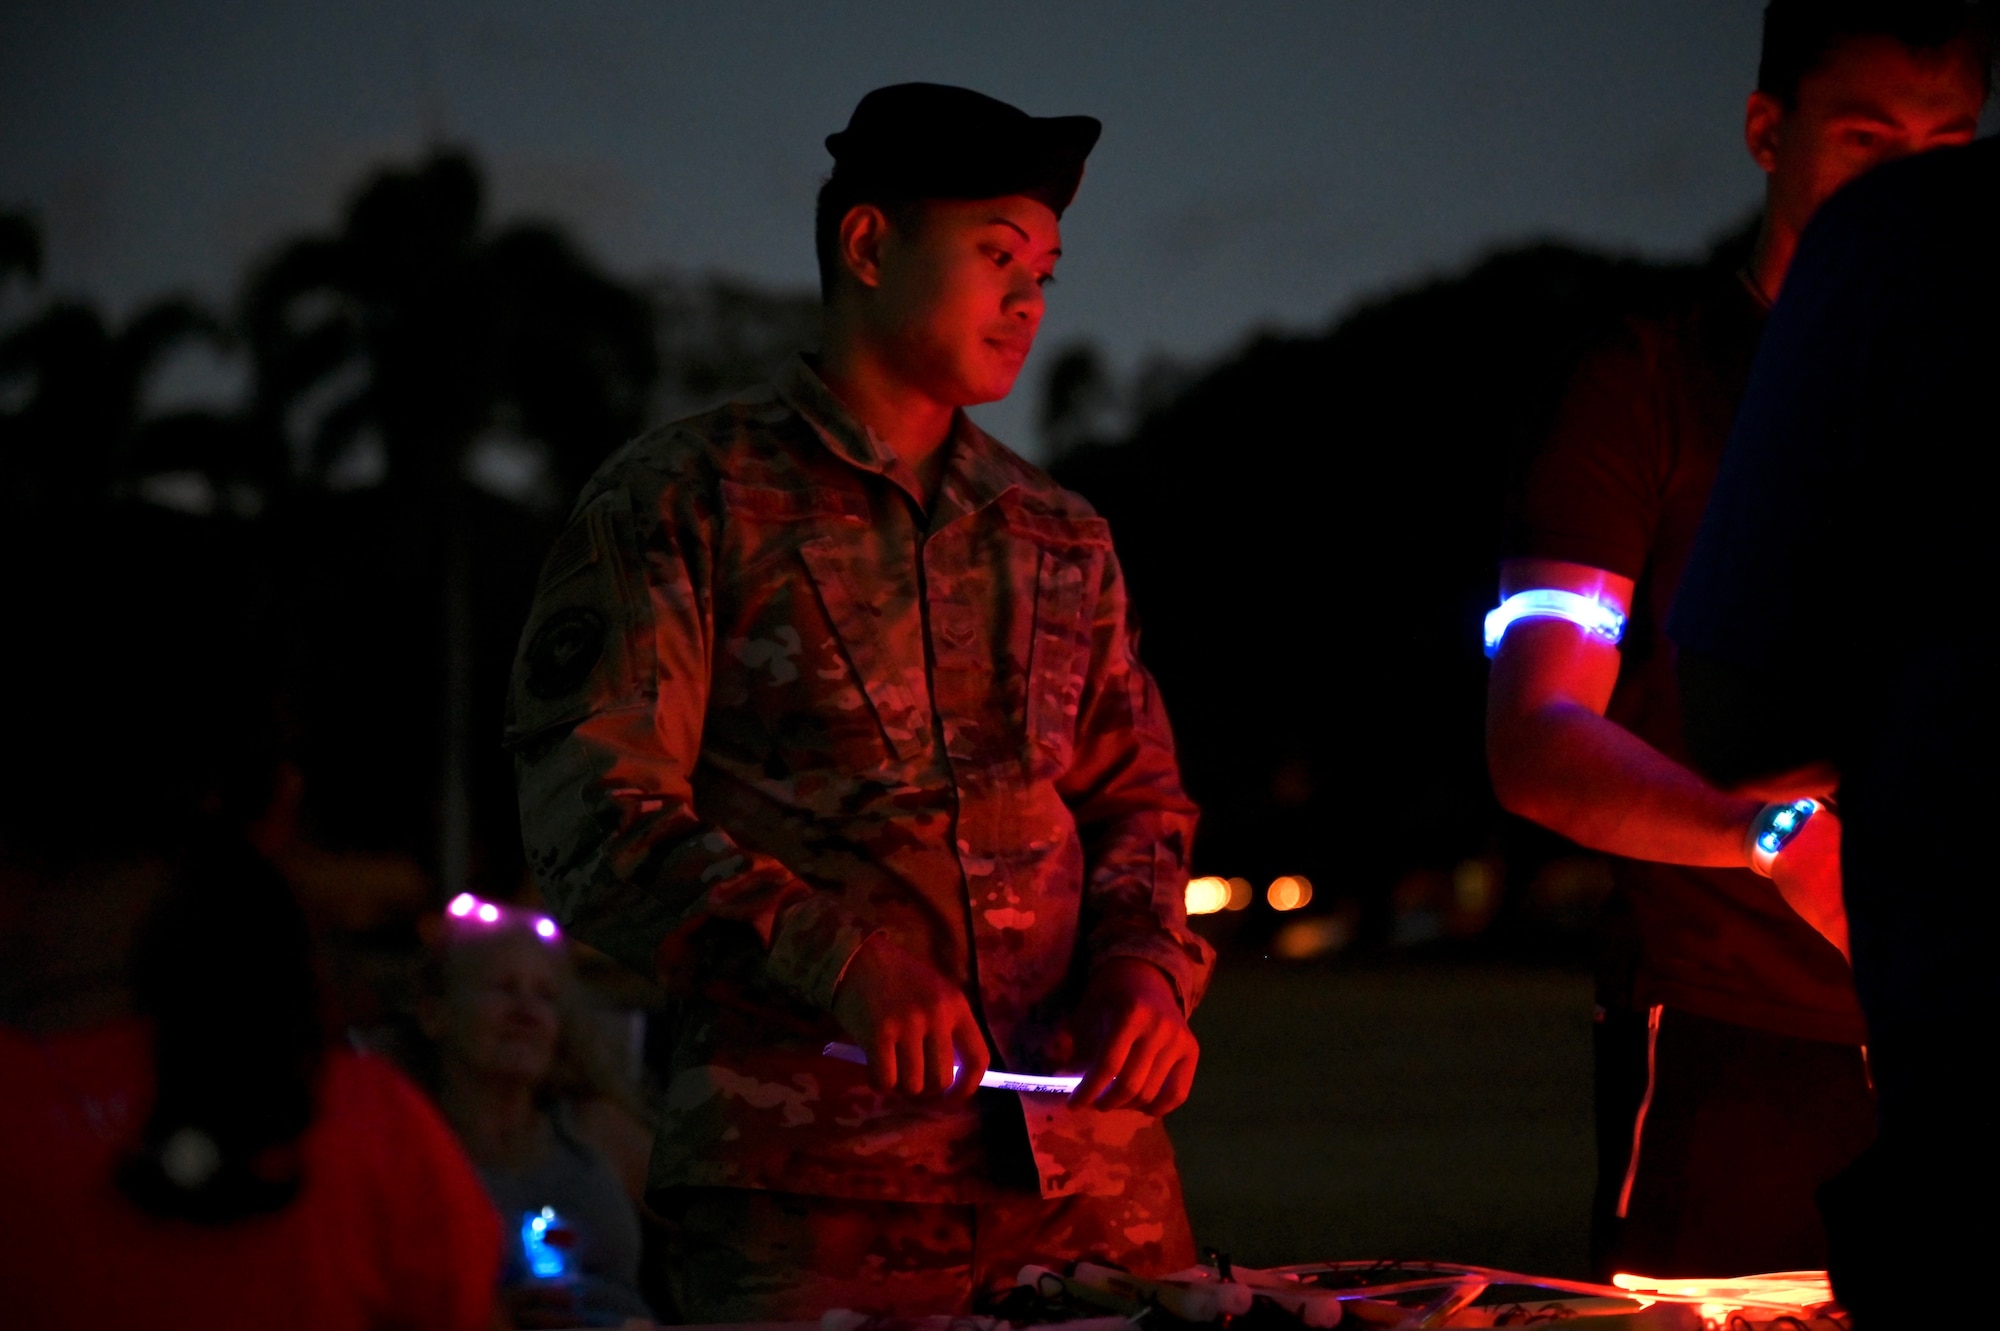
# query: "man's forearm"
1590,779
629,867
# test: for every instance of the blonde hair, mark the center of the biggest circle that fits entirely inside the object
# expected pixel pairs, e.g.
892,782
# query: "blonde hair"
584,1067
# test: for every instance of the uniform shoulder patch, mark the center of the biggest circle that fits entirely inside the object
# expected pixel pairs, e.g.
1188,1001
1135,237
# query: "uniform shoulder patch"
566,648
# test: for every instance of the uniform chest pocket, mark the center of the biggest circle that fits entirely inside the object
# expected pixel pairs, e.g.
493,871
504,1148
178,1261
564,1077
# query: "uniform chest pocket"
892,681
1067,573
767,522
778,642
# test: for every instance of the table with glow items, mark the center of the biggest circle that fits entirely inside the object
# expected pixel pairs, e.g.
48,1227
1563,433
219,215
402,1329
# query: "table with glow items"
1369,1296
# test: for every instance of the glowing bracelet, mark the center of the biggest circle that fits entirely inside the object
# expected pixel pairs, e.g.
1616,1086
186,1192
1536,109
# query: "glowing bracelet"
1593,616
546,1259
1773,829
996,1081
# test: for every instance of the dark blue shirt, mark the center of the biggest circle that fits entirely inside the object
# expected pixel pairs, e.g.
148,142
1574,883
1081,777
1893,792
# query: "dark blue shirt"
1839,594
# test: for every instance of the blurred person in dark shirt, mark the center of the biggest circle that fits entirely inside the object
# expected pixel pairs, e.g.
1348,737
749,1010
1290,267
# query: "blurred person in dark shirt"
179,1144
1829,615
1731,1079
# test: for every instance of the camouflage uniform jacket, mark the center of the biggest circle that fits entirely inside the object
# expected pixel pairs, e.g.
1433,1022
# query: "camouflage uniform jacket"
766,708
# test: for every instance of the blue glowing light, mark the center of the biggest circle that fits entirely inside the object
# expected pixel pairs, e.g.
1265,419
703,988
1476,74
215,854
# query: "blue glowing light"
545,1260
1601,621
1785,823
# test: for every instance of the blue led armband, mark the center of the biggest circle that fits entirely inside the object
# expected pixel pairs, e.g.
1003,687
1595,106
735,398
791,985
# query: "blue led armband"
1773,829
1603,622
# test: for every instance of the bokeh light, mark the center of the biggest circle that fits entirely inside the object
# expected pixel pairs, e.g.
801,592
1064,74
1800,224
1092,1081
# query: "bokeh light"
1205,896
1289,892
1314,936
462,904
1241,894
1475,887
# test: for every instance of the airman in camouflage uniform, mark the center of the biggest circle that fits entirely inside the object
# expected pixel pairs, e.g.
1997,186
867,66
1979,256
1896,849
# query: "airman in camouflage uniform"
775,701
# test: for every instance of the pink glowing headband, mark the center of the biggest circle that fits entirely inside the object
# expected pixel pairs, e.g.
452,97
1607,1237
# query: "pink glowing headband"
472,910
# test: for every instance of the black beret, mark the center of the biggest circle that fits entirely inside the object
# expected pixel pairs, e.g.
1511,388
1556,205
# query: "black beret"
931,141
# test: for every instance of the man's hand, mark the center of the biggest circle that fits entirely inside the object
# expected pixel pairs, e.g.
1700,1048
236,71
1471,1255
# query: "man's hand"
912,1023
1807,874
1143,1054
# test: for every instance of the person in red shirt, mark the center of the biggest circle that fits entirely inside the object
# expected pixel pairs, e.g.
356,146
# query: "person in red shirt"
387,1227
1731,1081
179,1144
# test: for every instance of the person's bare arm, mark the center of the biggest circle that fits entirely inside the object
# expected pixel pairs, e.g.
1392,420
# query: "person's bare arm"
1557,761
623,1138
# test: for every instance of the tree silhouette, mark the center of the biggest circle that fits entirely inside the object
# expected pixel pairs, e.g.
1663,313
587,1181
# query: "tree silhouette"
20,247
1311,529
1077,397
720,335
75,431
410,337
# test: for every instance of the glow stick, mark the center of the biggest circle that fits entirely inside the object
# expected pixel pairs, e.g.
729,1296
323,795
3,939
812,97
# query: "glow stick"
1793,1294
995,1081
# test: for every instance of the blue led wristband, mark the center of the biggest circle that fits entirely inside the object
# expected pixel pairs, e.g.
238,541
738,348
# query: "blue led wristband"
1773,829
1604,622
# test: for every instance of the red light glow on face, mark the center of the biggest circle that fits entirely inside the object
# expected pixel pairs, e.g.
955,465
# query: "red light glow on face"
1870,100
959,297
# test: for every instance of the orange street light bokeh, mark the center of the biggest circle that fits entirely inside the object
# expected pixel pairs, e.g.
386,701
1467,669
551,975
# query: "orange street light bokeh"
1205,896
1289,892
1241,894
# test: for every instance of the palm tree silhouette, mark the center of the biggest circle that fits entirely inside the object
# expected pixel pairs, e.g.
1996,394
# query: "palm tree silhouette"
408,339
75,429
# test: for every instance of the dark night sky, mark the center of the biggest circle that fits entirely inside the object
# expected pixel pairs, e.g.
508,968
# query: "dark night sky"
1262,163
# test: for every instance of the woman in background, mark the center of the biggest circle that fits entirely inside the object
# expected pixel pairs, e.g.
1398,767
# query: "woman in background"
180,1145
514,1076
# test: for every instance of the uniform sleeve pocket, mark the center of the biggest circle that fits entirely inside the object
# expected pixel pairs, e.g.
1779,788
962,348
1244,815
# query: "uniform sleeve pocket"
1066,576
587,646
